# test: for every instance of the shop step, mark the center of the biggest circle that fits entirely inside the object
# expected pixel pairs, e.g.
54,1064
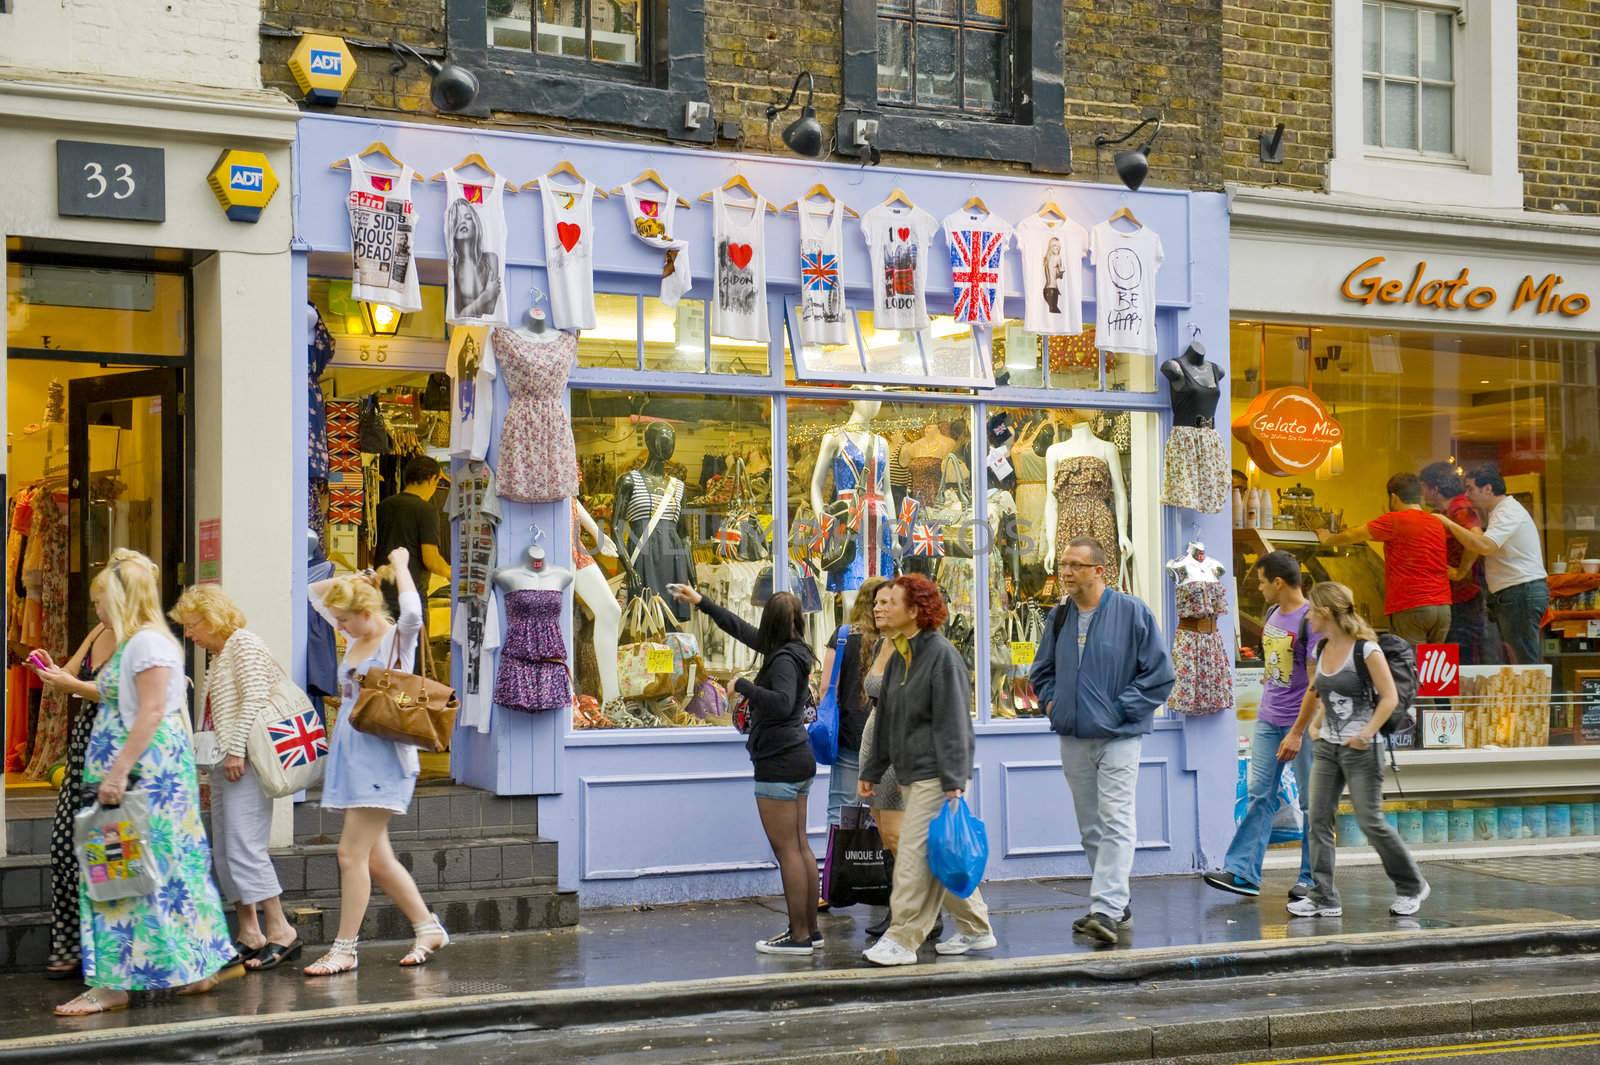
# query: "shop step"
488,862
438,811
466,911
24,939
28,823
24,883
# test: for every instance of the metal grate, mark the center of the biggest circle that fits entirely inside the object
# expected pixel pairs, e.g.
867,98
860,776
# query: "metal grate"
1567,870
478,987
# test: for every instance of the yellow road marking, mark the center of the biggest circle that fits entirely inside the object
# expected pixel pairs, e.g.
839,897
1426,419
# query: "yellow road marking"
1460,1050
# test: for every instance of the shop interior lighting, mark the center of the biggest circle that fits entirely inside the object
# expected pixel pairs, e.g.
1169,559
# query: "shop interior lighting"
1133,164
454,87
381,319
804,134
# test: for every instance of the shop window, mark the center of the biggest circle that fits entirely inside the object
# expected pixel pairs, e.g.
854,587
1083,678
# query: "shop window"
344,317
1431,403
946,55
1068,362
704,463
71,308
1106,464
947,354
1408,77
614,341
632,63
987,71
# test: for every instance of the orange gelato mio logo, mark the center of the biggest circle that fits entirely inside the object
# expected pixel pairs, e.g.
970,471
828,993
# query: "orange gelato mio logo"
1287,431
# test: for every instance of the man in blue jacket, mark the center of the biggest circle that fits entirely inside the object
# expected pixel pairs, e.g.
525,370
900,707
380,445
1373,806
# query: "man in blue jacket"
1101,673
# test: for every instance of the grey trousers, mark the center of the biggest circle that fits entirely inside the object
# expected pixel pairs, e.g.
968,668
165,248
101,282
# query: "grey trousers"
241,828
1332,767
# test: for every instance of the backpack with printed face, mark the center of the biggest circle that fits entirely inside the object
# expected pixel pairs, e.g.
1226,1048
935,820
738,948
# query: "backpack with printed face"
1403,667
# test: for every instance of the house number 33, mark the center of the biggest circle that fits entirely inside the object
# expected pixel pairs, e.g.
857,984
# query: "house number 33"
122,177
122,181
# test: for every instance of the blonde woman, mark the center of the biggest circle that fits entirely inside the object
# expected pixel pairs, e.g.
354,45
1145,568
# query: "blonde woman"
176,937
240,674
1346,711
370,778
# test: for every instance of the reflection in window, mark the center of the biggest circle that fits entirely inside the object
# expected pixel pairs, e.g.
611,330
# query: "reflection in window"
948,55
614,341
675,336
599,31
1408,77
69,308
679,489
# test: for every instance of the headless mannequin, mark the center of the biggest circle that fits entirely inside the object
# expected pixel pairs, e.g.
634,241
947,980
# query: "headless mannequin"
535,576
537,323
857,430
1193,565
1196,387
1083,442
591,588
660,441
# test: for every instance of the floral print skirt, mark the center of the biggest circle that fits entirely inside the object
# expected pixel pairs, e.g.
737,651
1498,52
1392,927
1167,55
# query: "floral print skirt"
1197,474
1205,676
179,934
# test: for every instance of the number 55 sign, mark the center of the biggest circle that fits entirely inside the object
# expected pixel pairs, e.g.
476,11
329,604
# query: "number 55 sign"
111,181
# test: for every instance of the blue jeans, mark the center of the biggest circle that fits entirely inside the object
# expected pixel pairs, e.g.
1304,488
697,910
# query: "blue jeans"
1103,776
783,791
1250,839
842,782
1517,611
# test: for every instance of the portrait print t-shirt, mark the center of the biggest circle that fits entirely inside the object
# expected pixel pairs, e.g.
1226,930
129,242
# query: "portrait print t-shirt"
897,237
1125,266
1052,275
1346,706
475,250
472,370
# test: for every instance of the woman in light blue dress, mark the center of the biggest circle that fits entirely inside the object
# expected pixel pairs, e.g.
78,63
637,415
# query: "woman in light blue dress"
371,779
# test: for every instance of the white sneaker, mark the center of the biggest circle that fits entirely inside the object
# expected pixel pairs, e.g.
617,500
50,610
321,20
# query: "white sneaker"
887,952
1406,905
960,943
1307,907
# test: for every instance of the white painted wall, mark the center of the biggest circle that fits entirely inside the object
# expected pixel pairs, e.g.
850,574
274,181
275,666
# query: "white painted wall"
197,42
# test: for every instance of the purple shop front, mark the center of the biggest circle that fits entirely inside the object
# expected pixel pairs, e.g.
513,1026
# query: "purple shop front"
648,796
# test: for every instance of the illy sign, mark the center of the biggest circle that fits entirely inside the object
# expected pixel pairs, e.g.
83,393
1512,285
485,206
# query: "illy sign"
1438,670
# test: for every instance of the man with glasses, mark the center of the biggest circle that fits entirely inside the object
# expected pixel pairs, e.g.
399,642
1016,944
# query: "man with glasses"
1100,674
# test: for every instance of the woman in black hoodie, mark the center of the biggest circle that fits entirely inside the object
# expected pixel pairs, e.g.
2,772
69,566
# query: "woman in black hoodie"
779,749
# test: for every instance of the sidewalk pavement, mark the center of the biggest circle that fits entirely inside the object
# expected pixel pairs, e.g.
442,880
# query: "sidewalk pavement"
631,964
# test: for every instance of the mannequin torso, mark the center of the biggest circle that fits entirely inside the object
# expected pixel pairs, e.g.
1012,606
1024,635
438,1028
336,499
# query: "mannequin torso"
1196,388
1103,462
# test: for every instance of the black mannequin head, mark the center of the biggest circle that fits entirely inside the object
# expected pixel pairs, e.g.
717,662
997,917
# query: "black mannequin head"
660,441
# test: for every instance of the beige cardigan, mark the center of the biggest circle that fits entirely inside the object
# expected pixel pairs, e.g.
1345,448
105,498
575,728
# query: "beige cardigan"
239,683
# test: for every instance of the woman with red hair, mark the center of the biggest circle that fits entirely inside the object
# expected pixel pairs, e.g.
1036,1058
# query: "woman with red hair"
924,730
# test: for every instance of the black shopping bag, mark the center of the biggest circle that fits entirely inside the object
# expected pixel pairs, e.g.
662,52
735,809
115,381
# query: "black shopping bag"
857,869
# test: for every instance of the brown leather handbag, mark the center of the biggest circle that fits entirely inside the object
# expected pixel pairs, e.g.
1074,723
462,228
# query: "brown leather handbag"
407,707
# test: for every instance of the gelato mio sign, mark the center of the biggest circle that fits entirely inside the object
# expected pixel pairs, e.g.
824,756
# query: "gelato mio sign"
1287,431
1370,284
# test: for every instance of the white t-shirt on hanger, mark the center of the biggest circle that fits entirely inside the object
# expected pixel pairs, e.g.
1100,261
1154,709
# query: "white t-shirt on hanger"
382,237
977,265
472,370
1125,266
898,237
823,316
569,253
652,219
477,705
475,251
1052,275
740,308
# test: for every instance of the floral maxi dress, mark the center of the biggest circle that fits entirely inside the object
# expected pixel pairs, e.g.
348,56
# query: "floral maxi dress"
179,934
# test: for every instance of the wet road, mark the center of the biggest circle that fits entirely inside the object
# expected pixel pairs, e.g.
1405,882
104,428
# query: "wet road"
1558,1049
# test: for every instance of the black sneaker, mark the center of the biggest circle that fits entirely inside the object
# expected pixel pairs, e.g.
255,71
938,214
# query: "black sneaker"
1232,883
938,929
1300,891
785,944
1126,921
876,931
1102,928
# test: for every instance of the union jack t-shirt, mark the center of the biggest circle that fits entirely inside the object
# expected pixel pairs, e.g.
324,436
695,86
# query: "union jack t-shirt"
977,266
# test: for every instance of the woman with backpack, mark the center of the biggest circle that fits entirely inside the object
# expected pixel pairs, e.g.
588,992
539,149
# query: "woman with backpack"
779,748
240,674
1352,694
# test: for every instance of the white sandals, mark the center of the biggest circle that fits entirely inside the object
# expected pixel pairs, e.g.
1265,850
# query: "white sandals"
327,966
419,954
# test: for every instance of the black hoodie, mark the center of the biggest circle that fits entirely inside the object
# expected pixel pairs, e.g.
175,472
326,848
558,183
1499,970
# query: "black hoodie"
778,745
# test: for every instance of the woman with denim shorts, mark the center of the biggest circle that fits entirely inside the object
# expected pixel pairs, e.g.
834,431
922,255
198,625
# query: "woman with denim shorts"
779,749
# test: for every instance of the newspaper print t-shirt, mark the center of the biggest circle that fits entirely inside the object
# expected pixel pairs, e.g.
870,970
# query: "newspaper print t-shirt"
477,633
823,318
740,310
897,237
382,232
977,265
1125,266
1052,275
472,372
475,251
475,506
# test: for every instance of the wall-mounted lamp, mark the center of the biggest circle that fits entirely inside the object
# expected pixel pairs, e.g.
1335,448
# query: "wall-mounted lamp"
804,134
382,320
1133,164
1272,144
454,87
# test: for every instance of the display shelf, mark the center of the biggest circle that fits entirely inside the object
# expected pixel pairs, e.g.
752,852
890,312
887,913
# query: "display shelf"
1502,770
1287,856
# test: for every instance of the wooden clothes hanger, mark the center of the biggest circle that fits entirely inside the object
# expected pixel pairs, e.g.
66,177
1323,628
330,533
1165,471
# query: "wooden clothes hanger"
1123,212
649,174
822,190
1052,208
566,167
376,147
482,164
738,182
976,202
899,196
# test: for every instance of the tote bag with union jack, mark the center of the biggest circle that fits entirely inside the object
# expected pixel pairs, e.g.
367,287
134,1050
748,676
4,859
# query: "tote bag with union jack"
289,744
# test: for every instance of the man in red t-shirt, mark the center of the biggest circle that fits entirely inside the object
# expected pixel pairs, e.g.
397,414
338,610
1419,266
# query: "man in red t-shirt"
1416,570
1444,491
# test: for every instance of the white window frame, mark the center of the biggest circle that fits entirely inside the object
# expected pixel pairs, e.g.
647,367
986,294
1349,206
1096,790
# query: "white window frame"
1482,172
1418,8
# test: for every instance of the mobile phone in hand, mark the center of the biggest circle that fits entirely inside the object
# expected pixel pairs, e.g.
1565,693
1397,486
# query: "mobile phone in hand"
37,661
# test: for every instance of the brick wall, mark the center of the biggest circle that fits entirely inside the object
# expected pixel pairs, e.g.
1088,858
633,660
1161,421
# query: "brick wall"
1162,55
1277,66
1559,106
198,42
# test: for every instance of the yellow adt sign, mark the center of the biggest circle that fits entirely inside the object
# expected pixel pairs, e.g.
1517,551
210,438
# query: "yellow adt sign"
323,68
244,184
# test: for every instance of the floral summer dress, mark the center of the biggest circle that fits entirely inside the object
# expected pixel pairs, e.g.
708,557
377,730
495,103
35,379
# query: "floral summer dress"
179,934
1200,654
1083,508
537,460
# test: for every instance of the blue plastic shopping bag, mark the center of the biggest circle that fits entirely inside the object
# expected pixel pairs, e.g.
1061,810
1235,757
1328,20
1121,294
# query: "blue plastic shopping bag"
1286,826
958,848
824,731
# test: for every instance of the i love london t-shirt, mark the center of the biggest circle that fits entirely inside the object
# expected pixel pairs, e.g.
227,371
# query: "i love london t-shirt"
897,237
1125,266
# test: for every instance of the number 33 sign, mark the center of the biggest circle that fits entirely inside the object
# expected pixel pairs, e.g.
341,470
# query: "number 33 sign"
111,181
